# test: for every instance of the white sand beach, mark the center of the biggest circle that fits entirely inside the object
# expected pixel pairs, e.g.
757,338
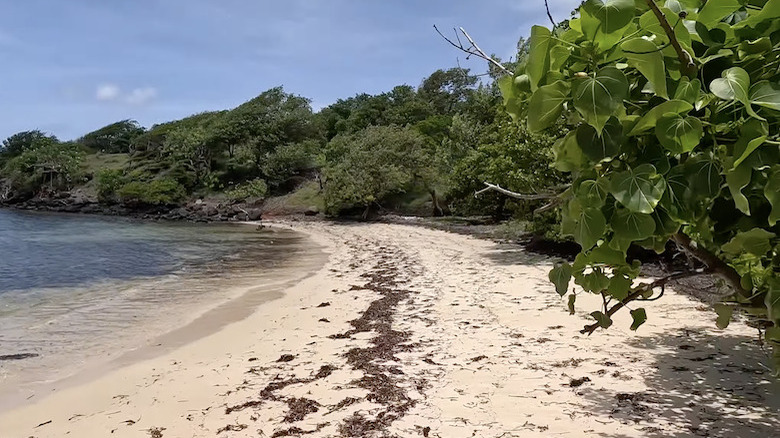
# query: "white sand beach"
407,331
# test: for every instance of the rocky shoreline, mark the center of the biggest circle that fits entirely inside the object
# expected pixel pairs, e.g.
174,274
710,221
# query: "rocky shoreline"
198,210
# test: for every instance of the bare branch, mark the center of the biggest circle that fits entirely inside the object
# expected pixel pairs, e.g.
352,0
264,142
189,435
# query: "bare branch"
472,49
640,291
549,15
715,264
525,197
686,61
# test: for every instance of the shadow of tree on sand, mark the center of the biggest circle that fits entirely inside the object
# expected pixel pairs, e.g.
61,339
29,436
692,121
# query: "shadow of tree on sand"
701,384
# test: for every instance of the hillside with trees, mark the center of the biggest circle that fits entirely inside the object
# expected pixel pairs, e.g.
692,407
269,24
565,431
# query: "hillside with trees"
421,150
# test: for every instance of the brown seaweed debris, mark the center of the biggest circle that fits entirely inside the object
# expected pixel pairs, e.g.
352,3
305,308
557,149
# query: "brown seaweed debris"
286,358
297,431
232,428
299,408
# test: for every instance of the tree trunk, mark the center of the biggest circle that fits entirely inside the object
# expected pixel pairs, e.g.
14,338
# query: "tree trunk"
437,210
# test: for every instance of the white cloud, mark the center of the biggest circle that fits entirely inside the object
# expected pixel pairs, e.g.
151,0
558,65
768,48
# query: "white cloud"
108,92
140,96
113,93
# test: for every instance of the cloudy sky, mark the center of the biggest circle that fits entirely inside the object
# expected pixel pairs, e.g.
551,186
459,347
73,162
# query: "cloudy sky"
71,66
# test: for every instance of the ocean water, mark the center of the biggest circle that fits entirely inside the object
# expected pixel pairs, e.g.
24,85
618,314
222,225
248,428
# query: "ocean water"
76,290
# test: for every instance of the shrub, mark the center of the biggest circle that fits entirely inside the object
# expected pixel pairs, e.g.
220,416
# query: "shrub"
108,182
256,188
165,191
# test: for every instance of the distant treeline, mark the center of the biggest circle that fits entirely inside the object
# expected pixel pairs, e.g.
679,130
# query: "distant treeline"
423,150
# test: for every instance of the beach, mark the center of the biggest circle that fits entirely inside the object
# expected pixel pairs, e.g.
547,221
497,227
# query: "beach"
406,331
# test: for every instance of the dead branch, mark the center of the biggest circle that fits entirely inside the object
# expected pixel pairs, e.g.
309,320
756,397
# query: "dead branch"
511,194
473,49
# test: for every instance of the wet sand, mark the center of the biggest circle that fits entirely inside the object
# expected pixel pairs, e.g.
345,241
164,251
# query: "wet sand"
407,331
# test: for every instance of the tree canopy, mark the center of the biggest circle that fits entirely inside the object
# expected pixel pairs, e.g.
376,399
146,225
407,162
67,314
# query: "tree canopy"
674,117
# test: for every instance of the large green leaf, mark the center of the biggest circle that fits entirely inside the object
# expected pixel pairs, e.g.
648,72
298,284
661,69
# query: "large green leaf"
619,286
688,90
639,316
752,135
757,241
679,134
704,176
600,146
737,179
724,312
603,320
766,94
772,194
716,10
650,119
613,14
645,57
632,226
599,98
592,193
638,189
546,105
560,276
568,155
538,55
734,85
587,225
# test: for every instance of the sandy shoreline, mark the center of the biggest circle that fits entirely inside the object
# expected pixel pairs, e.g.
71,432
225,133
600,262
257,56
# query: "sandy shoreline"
412,332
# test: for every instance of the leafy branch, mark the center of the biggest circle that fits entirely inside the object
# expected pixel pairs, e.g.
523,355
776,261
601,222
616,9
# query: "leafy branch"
641,291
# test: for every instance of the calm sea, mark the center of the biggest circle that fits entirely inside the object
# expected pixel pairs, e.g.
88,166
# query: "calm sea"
76,288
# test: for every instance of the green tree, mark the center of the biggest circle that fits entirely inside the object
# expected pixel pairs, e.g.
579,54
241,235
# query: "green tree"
364,168
114,138
21,141
674,110
45,165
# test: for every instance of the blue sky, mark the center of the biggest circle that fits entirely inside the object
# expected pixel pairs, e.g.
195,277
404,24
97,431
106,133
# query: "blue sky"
71,66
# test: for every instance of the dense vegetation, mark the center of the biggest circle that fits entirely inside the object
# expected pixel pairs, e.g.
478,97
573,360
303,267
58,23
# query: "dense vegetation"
674,116
423,150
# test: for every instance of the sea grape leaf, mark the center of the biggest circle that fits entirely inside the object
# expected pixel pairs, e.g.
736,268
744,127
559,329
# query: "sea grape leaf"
650,119
560,276
599,146
704,178
568,155
688,90
572,299
766,94
593,282
752,135
638,189
589,227
619,286
592,193
603,320
599,97
632,226
546,105
737,179
639,316
613,14
757,241
724,312
644,56
734,85
538,55
604,254
772,194
716,10
679,134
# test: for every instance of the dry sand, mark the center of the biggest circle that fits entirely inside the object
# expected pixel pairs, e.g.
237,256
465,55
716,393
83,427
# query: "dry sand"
412,332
